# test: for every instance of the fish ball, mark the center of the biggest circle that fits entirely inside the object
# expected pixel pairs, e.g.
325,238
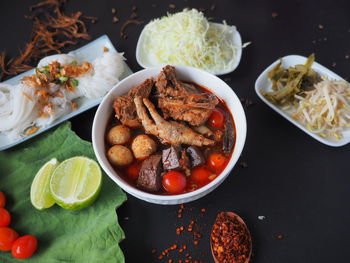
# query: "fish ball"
120,155
119,134
143,146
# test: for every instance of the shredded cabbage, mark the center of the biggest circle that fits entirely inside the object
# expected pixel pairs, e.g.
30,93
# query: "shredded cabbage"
325,110
187,38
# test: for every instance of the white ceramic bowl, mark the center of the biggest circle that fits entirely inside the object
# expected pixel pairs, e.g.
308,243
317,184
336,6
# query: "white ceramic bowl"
213,83
147,60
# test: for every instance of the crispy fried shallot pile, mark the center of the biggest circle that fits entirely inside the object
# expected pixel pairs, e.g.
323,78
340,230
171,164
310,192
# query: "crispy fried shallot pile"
52,30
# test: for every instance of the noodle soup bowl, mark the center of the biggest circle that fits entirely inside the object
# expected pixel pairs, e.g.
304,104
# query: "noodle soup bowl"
200,77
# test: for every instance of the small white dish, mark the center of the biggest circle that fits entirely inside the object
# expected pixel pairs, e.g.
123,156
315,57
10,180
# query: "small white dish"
87,53
146,60
264,84
203,78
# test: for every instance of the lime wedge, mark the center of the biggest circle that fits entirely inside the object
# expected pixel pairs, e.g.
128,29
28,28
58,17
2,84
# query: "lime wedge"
76,183
40,195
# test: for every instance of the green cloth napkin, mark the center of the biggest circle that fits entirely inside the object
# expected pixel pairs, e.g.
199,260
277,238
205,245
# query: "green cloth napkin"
89,235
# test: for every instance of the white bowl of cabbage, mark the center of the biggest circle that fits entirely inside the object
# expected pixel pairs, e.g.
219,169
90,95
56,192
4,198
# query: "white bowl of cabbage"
187,38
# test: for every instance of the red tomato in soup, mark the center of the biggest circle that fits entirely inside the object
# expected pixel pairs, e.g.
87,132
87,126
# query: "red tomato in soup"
216,119
7,237
200,175
217,161
174,182
2,199
24,247
5,217
133,170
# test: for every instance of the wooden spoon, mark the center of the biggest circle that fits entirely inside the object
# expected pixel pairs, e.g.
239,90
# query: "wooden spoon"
240,220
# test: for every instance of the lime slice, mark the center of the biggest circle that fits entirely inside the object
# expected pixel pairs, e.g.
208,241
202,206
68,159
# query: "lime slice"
40,194
76,183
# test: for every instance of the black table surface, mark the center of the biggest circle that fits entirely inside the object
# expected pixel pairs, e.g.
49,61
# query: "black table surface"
301,186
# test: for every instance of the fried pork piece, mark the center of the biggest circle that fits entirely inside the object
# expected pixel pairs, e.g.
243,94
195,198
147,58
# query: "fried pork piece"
124,106
168,131
182,101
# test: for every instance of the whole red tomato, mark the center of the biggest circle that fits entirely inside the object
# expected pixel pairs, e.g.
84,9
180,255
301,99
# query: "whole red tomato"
24,247
200,175
5,217
133,171
174,182
2,199
217,161
216,119
7,237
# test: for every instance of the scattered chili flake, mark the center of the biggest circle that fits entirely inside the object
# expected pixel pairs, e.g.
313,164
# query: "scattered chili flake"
243,164
228,79
115,19
172,6
247,102
274,15
203,210
153,251
280,236
133,15
230,239
196,242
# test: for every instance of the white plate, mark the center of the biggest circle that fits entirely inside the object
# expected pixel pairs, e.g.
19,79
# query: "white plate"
146,60
264,84
87,53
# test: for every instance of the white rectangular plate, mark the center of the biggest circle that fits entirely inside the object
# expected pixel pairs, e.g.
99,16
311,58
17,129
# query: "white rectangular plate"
86,53
264,84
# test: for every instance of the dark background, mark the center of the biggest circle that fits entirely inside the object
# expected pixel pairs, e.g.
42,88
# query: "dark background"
298,184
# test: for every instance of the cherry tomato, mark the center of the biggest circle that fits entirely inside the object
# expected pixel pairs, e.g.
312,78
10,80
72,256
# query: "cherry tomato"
24,247
133,171
5,217
174,182
216,119
7,237
217,161
200,175
2,199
